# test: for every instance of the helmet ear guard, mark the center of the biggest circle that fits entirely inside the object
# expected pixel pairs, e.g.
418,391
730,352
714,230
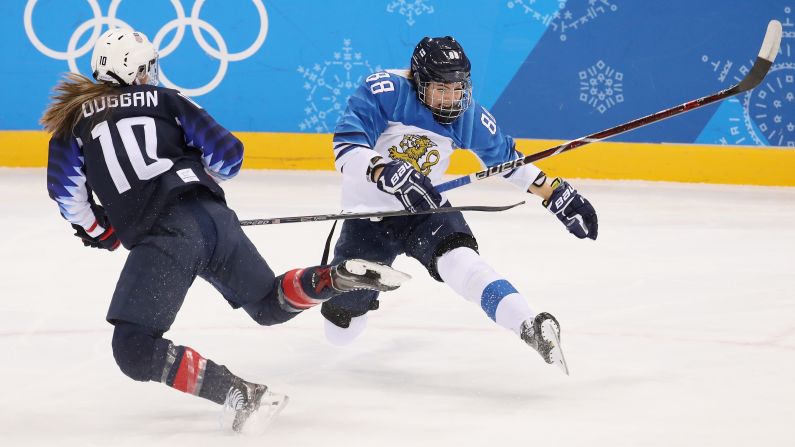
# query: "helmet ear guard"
441,60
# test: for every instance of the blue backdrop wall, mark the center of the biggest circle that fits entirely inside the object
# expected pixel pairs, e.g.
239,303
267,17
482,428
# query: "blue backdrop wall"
551,69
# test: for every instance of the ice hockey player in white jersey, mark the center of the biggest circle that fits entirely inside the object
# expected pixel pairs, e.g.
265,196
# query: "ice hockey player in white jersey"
392,144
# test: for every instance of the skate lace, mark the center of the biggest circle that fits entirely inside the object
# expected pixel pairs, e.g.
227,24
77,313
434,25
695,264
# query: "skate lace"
537,340
235,399
546,339
322,278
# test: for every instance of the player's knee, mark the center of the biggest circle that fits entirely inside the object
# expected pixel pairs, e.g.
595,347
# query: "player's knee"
452,242
133,349
273,318
268,311
456,261
466,272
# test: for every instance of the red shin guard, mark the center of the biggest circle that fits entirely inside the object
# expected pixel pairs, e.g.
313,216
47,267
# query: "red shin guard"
190,373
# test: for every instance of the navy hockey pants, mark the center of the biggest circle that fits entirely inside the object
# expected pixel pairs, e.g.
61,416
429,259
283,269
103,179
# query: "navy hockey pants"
195,235
424,238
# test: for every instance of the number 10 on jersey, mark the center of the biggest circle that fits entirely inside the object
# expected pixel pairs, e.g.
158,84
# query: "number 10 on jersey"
143,170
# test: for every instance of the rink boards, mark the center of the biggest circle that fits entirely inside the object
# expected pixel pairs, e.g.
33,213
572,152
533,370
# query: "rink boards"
617,161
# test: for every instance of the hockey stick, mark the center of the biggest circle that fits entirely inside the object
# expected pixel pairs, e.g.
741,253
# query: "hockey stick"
758,72
345,216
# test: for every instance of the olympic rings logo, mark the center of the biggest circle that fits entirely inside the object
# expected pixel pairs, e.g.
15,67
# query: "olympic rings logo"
196,24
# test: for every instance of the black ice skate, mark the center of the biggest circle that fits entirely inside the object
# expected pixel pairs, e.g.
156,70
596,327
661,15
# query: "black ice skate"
356,274
543,335
252,405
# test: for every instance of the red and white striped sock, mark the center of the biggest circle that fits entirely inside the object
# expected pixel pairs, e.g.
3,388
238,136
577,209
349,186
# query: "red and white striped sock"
301,289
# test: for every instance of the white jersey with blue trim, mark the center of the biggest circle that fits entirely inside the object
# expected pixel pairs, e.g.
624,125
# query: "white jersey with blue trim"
385,117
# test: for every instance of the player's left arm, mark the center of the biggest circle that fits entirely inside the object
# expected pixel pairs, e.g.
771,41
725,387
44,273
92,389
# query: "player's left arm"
66,185
492,147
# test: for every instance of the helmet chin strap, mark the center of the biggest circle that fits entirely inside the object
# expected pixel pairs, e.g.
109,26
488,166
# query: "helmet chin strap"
117,78
137,81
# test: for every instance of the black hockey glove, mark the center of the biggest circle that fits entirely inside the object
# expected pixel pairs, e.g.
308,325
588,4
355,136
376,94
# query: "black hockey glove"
573,210
107,240
414,190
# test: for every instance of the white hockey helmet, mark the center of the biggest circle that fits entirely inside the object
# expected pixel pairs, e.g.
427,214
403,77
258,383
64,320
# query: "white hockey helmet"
124,57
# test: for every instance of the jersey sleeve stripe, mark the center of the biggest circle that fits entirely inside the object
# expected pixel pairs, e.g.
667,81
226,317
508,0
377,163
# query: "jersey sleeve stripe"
222,152
343,135
516,156
66,182
344,146
345,151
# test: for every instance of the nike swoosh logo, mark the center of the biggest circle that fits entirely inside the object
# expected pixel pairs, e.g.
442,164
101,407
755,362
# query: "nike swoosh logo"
433,233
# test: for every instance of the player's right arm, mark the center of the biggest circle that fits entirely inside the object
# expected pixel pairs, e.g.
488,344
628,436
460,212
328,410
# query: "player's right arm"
222,152
363,121
377,101
66,184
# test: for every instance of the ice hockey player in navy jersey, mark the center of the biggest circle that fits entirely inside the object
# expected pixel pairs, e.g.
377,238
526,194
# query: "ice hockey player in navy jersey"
154,158
391,145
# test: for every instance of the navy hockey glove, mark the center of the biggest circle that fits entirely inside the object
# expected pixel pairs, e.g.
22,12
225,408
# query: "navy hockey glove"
107,240
573,210
414,190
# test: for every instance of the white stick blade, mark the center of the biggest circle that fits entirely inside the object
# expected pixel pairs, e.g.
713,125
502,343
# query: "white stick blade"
772,41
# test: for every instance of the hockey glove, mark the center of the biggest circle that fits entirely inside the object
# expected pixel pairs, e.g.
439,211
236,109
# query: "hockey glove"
107,240
573,210
414,190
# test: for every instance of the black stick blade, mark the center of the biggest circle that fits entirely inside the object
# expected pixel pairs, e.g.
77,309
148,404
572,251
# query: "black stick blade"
377,214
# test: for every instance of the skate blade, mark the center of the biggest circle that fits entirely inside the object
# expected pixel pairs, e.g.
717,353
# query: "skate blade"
549,332
272,404
390,278
258,422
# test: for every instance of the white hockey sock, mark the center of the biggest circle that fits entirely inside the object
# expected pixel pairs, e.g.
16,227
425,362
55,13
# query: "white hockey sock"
344,336
471,277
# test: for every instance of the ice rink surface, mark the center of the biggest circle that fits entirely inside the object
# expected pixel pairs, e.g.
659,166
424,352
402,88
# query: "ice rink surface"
678,324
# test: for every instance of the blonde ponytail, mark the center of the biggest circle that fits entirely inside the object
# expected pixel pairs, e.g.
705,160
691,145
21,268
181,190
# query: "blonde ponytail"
64,111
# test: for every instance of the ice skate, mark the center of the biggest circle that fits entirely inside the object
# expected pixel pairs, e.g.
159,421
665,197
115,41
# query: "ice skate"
356,274
252,406
543,335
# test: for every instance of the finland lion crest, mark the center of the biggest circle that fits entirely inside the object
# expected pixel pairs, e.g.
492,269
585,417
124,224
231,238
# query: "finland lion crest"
412,149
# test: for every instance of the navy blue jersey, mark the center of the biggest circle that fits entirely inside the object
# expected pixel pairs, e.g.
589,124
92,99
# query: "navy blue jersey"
135,151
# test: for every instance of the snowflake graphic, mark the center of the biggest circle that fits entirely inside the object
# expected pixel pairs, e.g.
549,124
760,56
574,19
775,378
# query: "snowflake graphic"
763,116
410,9
601,86
329,84
564,20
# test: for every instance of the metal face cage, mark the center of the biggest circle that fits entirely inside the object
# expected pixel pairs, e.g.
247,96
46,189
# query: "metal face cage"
447,101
